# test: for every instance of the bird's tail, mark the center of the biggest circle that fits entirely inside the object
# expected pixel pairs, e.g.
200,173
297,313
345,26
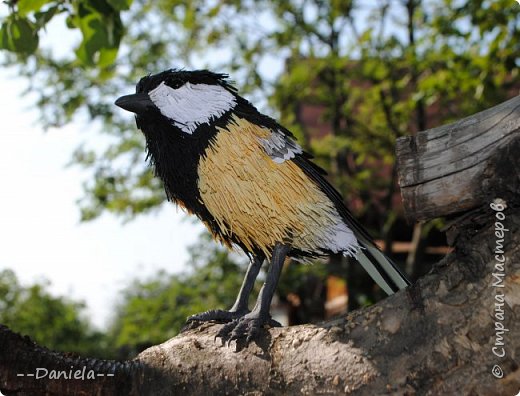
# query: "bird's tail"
382,270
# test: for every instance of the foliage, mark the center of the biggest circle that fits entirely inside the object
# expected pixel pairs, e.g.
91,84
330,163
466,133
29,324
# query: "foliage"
55,322
98,21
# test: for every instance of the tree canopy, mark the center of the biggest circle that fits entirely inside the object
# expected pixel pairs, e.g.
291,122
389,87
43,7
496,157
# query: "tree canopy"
54,321
376,68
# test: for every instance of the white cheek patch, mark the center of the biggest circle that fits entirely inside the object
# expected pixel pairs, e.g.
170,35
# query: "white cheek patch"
280,147
192,104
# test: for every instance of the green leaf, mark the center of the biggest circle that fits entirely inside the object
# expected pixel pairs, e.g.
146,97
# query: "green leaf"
27,6
100,6
19,35
107,56
70,21
120,5
25,38
101,32
4,37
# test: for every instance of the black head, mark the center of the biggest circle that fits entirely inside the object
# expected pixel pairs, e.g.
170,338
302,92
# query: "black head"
186,98
175,78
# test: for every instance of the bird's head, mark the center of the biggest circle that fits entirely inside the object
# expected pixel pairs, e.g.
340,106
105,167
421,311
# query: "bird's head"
184,99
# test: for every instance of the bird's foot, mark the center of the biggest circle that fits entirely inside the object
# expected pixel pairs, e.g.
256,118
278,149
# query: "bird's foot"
245,328
216,315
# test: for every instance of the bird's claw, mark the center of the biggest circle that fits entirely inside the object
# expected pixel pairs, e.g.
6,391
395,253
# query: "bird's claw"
216,315
244,329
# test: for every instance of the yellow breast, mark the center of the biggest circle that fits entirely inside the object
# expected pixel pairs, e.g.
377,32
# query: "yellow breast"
260,201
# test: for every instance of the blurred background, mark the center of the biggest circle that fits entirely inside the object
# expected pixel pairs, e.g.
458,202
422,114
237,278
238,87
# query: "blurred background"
94,260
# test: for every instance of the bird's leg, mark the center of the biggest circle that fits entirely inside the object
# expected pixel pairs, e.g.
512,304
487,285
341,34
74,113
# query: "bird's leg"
249,325
240,307
241,304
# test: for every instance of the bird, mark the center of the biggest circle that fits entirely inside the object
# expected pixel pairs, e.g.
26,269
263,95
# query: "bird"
248,180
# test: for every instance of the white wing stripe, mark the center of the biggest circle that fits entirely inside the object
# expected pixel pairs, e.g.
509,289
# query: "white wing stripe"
280,147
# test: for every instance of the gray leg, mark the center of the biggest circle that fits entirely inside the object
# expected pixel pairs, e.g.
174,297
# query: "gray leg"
249,325
242,300
240,307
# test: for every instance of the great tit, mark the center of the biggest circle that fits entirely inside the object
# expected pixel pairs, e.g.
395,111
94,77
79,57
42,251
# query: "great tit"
247,179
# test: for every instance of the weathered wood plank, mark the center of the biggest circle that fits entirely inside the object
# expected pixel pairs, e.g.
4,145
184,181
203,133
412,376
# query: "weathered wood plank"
442,170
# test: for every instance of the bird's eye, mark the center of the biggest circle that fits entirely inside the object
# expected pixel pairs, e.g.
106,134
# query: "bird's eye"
174,83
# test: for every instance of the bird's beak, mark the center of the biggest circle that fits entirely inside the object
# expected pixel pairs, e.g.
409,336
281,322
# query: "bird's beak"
136,103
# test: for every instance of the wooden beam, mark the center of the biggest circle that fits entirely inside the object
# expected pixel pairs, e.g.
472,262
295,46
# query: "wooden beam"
399,247
445,170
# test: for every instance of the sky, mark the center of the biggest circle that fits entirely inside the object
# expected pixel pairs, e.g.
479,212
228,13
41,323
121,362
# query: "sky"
41,236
